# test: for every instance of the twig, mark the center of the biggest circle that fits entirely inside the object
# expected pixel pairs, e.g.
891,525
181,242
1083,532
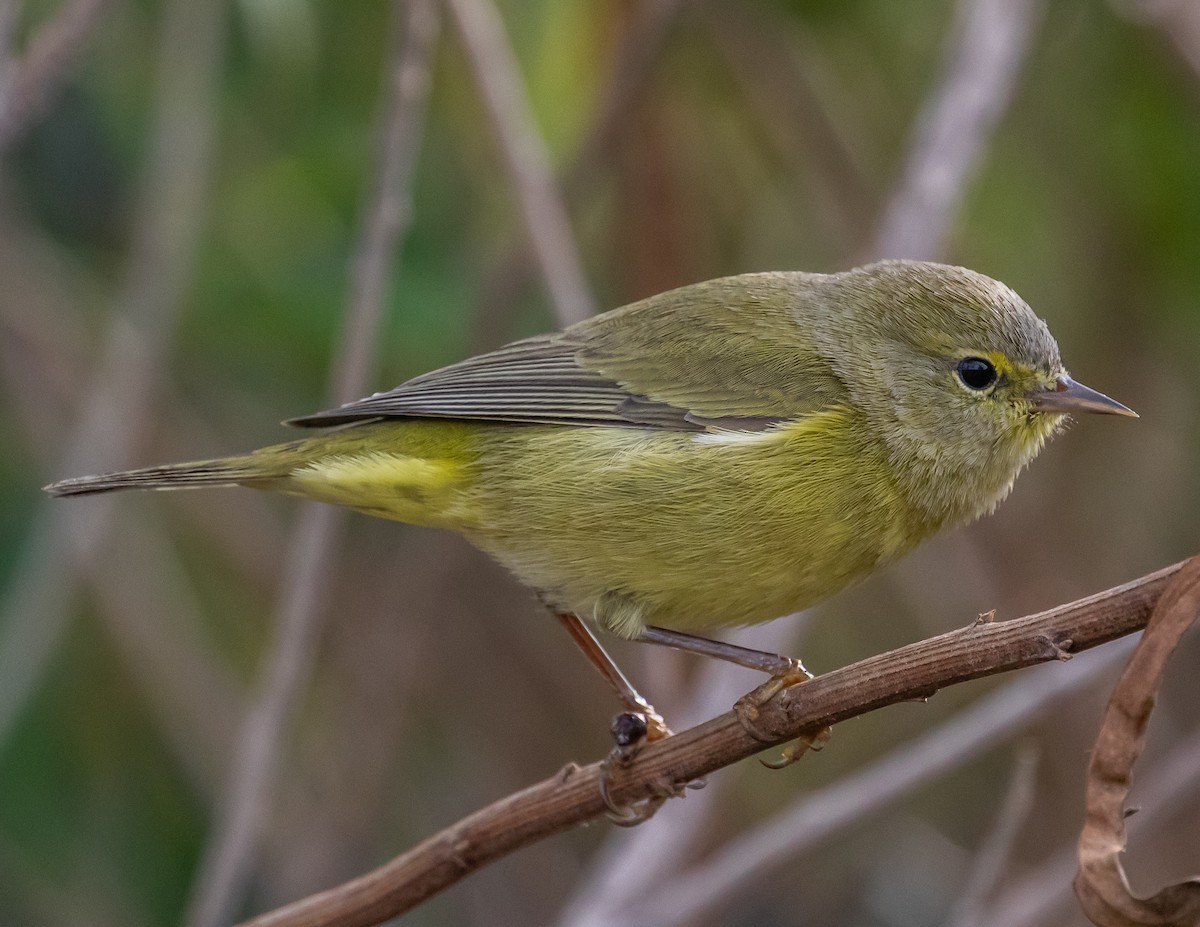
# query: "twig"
1100,884
120,395
640,47
994,854
573,796
985,56
32,81
546,221
226,867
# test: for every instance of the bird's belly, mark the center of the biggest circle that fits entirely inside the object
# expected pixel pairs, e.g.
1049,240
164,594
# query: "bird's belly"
653,527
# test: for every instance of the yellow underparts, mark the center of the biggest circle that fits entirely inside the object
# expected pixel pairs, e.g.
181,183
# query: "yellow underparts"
388,485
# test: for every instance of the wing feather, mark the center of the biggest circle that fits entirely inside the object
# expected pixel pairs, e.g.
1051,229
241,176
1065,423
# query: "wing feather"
730,353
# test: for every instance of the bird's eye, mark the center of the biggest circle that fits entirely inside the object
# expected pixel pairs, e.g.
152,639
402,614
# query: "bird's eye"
976,373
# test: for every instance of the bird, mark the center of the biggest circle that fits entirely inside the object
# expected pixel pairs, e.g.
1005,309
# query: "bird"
718,455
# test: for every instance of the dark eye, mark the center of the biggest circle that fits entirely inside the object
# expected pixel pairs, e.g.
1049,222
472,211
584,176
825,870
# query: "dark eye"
976,373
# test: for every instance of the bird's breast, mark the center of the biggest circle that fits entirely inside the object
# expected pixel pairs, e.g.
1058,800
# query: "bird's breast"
718,528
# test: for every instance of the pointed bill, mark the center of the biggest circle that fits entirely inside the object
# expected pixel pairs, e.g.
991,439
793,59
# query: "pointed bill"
1070,396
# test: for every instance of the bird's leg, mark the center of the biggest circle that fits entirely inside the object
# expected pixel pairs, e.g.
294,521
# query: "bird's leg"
785,672
638,724
631,700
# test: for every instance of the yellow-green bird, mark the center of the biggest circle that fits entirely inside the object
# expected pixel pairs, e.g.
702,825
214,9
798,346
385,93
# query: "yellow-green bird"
718,455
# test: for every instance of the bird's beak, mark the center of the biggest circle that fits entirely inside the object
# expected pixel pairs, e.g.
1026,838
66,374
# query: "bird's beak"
1068,396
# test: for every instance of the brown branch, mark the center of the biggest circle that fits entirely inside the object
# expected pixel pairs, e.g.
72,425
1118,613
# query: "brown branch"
1101,885
572,797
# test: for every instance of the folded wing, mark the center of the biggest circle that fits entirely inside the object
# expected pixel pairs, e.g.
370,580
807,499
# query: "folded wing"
730,353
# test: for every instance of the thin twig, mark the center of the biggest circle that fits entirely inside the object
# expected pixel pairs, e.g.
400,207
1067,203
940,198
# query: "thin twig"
994,855
640,47
28,85
986,52
120,396
573,796
546,221
227,865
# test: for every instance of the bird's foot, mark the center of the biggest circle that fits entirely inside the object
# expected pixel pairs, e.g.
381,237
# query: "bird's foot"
788,672
800,746
632,730
748,708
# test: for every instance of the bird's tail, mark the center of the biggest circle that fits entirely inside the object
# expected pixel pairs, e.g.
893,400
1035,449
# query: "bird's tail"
224,471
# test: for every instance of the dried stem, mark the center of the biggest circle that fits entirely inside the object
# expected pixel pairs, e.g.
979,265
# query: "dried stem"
28,85
227,865
573,796
985,56
546,221
1101,885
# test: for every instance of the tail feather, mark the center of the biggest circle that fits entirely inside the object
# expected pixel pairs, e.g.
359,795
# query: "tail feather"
226,471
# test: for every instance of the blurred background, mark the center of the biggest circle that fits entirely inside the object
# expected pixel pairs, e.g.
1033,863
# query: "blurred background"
212,703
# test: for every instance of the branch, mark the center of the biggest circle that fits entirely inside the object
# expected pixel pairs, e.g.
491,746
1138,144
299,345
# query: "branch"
28,86
986,53
546,220
226,868
572,797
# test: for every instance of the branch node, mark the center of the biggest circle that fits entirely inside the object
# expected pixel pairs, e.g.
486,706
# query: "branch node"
984,618
568,772
1055,649
458,854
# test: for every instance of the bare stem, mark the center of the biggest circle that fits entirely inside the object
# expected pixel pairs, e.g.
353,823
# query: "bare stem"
28,85
573,796
546,221
984,60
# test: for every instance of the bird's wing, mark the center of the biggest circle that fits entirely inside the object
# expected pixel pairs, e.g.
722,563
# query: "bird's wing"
728,353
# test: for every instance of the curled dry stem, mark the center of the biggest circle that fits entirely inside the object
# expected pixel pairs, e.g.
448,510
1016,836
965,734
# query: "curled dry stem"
1101,885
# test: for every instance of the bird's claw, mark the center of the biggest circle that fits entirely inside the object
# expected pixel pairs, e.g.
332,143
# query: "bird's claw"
800,746
632,730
